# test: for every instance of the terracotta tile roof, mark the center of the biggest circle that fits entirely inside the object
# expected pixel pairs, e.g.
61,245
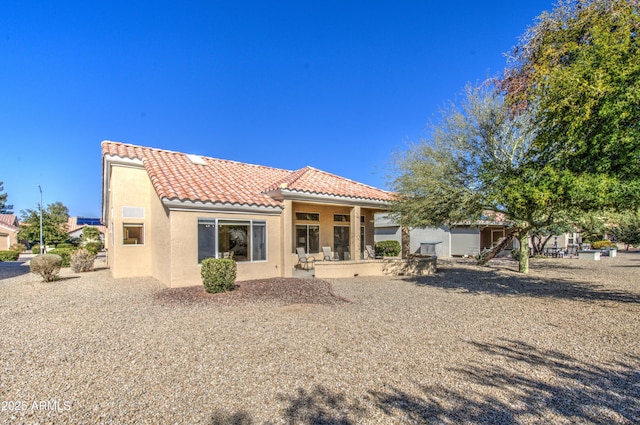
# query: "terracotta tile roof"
9,220
311,180
176,177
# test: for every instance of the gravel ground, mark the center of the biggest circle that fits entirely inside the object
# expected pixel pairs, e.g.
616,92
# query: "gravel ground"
467,345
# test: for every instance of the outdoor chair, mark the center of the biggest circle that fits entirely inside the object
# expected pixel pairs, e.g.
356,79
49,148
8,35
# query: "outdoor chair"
328,255
371,253
305,261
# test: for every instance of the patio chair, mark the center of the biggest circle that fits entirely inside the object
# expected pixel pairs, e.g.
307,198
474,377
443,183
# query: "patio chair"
304,261
328,255
371,253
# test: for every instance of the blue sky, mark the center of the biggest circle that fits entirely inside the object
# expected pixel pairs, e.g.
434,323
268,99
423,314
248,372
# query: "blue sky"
337,85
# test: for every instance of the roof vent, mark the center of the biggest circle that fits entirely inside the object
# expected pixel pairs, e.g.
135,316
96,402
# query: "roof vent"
196,159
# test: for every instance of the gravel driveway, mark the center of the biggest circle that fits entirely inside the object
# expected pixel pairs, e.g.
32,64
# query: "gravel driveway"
469,344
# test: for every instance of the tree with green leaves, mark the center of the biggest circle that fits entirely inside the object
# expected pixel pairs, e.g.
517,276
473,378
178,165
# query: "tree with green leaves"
54,224
627,230
478,158
90,233
577,71
4,207
541,236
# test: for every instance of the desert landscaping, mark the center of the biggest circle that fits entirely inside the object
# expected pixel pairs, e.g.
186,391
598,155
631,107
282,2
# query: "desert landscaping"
468,344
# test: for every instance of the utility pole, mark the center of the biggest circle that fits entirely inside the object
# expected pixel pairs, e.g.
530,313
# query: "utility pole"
41,247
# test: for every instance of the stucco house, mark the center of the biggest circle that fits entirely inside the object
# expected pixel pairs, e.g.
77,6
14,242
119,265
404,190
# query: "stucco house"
166,211
9,227
460,239
75,226
466,238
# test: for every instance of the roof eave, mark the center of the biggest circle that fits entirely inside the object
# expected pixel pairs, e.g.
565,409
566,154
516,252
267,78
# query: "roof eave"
323,198
207,206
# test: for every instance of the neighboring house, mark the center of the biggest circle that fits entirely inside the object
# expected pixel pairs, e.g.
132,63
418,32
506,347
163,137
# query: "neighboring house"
9,227
167,211
462,239
75,226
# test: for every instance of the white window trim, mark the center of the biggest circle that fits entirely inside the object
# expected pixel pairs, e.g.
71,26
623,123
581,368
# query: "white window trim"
144,235
250,221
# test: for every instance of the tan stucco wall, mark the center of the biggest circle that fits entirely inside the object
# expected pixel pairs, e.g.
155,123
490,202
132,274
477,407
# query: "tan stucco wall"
129,187
185,270
161,248
388,267
7,238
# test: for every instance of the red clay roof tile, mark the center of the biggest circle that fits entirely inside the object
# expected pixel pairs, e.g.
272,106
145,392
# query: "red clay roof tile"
176,177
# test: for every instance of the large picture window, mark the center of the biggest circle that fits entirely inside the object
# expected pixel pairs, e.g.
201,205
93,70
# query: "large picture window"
308,237
241,240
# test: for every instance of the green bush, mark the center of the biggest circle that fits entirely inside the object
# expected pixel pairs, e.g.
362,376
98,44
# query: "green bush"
82,260
218,274
65,253
64,245
47,266
602,244
35,249
93,247
17,247
9,255
388,248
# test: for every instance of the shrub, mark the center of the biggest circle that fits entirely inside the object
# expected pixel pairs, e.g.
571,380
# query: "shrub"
388,248
47,266
218,274
9,255
64,245
82,260
35,249
93,247
17,247
602,244
65,253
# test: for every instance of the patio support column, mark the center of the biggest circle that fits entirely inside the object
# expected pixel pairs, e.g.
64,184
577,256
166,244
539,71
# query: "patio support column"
286,241
355,244
405,244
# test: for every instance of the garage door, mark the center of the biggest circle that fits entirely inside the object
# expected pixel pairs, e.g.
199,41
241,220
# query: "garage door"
465,241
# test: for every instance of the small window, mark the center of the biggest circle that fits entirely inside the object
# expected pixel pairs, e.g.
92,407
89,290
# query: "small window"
343,218
307,216
361,219
133,234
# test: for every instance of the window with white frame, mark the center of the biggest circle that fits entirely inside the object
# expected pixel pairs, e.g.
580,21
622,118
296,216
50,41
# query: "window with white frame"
241,240
133,234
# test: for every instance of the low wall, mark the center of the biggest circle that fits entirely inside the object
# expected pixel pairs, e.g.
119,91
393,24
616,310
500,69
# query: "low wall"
589,255
415,266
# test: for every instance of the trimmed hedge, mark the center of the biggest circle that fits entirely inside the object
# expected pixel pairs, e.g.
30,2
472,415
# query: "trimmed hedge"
388,248
602,244
9,255
65,253
35,249
47,266
93,247
218,274
64,245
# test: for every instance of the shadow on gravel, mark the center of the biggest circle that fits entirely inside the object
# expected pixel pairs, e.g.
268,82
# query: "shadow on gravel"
572,392
11,269
529,385
486,280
